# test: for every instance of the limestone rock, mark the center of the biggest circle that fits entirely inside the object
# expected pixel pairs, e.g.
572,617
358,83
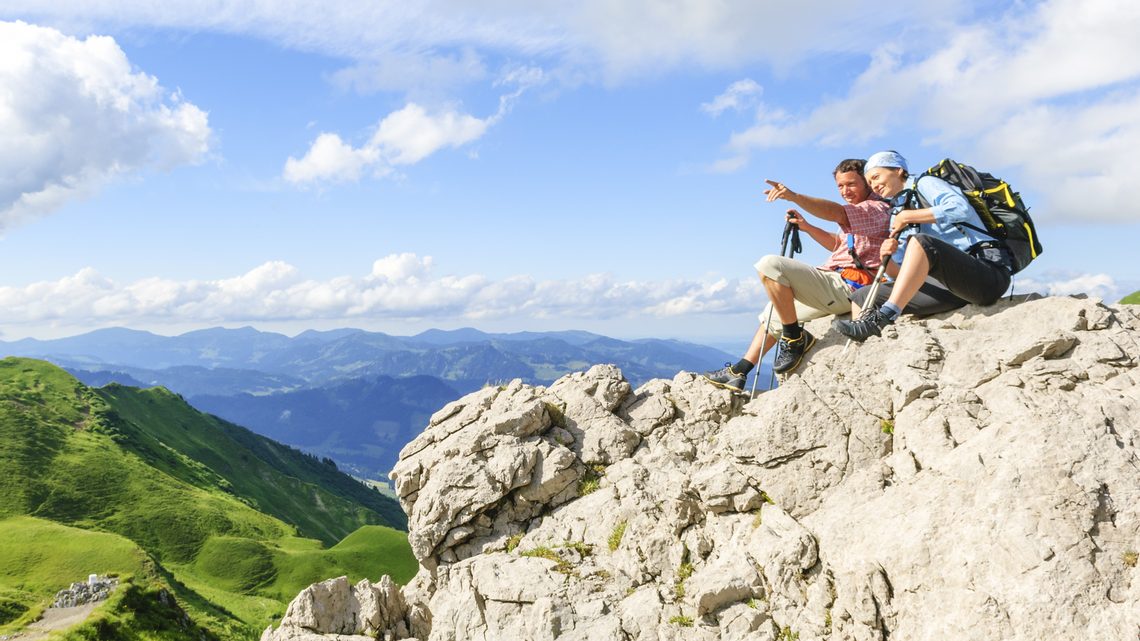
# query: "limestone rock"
970,476
347,612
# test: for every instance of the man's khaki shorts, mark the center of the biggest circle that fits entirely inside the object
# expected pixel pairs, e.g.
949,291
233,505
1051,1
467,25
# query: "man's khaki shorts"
818,293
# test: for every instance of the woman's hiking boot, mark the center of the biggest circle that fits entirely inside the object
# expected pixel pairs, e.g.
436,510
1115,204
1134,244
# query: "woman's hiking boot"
791,352
870,323
727,378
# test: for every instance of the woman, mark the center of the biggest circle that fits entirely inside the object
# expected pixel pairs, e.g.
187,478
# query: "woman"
939,260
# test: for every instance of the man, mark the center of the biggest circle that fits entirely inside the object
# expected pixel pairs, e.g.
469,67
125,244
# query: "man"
799,292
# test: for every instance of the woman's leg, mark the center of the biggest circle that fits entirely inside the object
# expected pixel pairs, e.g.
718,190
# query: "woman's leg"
912,274
972,279
930,299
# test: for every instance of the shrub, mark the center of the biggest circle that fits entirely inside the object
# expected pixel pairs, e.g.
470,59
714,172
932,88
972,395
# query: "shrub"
582,548
543,552
616,536
786,634
683,572
592,479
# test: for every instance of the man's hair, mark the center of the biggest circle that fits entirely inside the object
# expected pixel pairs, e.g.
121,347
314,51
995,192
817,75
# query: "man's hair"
851,164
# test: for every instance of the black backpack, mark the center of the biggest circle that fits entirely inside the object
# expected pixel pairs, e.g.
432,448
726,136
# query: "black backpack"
1002,212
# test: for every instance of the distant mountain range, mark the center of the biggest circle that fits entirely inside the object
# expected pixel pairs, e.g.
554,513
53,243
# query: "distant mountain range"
351,395
232,361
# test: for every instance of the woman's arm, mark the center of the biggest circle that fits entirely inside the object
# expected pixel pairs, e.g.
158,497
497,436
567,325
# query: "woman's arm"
947,204
908,217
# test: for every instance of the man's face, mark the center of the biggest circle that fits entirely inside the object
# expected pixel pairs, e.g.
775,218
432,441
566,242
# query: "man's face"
885,181
852,187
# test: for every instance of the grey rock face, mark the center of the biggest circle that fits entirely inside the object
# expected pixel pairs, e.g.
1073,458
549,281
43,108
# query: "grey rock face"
969,476
338,610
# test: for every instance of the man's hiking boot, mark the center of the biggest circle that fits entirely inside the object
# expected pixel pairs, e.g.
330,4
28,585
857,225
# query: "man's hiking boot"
792,352
870,323
727,378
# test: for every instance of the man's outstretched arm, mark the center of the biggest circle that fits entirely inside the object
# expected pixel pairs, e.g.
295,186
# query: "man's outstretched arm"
819,207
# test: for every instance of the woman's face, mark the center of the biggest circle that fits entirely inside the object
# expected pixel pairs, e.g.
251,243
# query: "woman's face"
886,181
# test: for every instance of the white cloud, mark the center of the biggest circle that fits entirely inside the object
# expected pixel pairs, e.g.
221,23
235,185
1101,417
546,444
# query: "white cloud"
446,39
1101,286
399,286
417,74
1050,90
403,288
740,95
403,137
329,159
74,114
411,134
428,49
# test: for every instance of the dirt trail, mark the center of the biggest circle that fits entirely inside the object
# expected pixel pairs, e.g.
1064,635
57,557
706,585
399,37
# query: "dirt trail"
54,619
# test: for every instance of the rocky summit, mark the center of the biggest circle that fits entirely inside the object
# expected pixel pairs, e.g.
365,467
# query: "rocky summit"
972,475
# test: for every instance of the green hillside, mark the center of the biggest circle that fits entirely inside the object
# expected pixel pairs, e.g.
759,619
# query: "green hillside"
1131,299
253,579
279,480
39,558
231,523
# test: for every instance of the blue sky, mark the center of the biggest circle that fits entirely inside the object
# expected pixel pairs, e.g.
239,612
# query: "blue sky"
514,166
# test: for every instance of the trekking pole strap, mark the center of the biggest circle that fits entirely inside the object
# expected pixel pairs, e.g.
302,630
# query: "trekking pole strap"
797,247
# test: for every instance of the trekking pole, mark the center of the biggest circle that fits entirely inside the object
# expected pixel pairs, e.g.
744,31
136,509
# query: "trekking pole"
791,230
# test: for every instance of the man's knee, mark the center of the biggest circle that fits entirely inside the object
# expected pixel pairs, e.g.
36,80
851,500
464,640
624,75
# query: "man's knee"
773,267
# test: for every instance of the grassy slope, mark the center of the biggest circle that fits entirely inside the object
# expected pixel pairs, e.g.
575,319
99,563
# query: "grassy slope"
62,461
254,579
82,457
40,557
273,478
355,556
1131,299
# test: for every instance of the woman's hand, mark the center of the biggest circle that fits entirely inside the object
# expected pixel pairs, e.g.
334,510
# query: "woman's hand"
901,221
908,217
889,247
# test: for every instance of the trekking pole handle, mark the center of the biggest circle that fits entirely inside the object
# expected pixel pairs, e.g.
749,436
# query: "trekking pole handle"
883,260
792,230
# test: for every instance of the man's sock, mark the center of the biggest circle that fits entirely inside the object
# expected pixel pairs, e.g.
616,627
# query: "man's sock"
890,310
793,331
743,366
